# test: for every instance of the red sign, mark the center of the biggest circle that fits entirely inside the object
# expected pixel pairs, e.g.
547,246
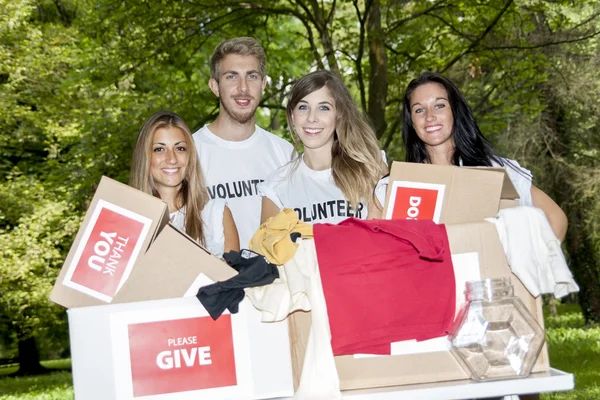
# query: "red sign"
107,252
414,203
181,355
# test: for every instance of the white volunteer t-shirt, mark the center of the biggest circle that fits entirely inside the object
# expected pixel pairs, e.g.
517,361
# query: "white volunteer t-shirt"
212,221
233,171
312,194
521,180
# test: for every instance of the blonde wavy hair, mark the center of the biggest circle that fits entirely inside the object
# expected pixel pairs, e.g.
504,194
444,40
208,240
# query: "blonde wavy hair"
356,161
192,194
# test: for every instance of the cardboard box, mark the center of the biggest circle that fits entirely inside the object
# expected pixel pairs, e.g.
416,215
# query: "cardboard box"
170,267
461,198
428,361
118,227
171,348
446,194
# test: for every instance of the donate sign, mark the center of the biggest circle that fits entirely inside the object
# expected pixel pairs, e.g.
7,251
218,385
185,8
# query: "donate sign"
415,200
181,355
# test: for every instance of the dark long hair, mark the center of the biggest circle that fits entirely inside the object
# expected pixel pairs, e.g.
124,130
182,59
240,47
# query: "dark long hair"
471,147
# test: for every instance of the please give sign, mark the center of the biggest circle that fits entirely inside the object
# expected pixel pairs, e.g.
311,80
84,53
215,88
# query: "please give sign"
179,352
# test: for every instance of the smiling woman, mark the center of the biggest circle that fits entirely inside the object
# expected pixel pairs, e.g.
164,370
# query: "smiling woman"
165,164
440,128
432,119
168,163
334,178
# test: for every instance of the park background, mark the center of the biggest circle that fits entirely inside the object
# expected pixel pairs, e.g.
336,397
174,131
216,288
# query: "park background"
79,77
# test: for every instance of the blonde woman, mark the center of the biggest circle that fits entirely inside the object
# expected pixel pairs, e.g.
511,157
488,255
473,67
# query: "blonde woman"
166,165
334,177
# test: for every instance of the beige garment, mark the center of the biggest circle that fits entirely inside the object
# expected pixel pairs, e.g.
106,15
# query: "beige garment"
286,294
299,288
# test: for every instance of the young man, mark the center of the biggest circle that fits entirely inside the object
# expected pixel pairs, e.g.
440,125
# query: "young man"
234,152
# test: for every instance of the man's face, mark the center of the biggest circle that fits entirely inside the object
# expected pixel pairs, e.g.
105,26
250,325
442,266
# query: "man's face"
239,87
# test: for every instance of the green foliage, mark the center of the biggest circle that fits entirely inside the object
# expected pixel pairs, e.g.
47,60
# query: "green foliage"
570,321
32,247
587,393
78,78
576,350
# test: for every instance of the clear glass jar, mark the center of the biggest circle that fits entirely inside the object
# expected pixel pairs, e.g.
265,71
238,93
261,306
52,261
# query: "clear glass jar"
494,335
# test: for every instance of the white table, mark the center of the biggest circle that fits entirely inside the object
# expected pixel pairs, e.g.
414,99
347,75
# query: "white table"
551,381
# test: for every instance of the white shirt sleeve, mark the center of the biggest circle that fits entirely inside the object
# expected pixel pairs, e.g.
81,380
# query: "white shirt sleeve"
268,189
521,179
381,190
214,233
384,157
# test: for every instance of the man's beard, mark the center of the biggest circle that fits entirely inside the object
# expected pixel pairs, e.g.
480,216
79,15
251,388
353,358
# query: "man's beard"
240,118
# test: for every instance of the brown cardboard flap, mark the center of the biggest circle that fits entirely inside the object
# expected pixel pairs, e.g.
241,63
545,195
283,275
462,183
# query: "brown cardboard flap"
471,194
125,197
509,191
480,237
506,203
169,267
358,373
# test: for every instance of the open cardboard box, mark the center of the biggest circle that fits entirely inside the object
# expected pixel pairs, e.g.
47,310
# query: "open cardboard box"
157,340
117,229
171,266
152,341
447,194
461,198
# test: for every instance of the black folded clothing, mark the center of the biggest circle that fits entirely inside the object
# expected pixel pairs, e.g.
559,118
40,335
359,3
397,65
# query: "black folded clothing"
253,270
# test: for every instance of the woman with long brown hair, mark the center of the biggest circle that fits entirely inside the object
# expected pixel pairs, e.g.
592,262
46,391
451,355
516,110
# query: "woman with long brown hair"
341,163
165,164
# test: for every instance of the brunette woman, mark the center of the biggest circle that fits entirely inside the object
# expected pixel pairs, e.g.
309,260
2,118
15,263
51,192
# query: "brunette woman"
165,164
439,128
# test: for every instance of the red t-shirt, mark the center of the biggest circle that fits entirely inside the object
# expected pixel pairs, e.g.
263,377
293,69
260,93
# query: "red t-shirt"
385,281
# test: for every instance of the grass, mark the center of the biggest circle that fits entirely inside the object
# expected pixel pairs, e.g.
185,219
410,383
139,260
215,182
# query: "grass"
573,347
57,385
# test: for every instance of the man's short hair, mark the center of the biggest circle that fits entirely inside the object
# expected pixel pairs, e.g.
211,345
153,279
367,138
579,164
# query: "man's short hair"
243,46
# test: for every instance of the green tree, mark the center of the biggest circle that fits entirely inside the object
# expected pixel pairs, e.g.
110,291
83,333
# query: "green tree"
78,78
494,50
36,50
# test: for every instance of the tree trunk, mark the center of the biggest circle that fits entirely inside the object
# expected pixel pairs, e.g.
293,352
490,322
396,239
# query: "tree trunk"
29,358
378,81
321,24
552,307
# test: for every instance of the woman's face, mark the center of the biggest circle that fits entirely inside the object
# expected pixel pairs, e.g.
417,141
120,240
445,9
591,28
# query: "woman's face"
431,115
169,157
314,119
